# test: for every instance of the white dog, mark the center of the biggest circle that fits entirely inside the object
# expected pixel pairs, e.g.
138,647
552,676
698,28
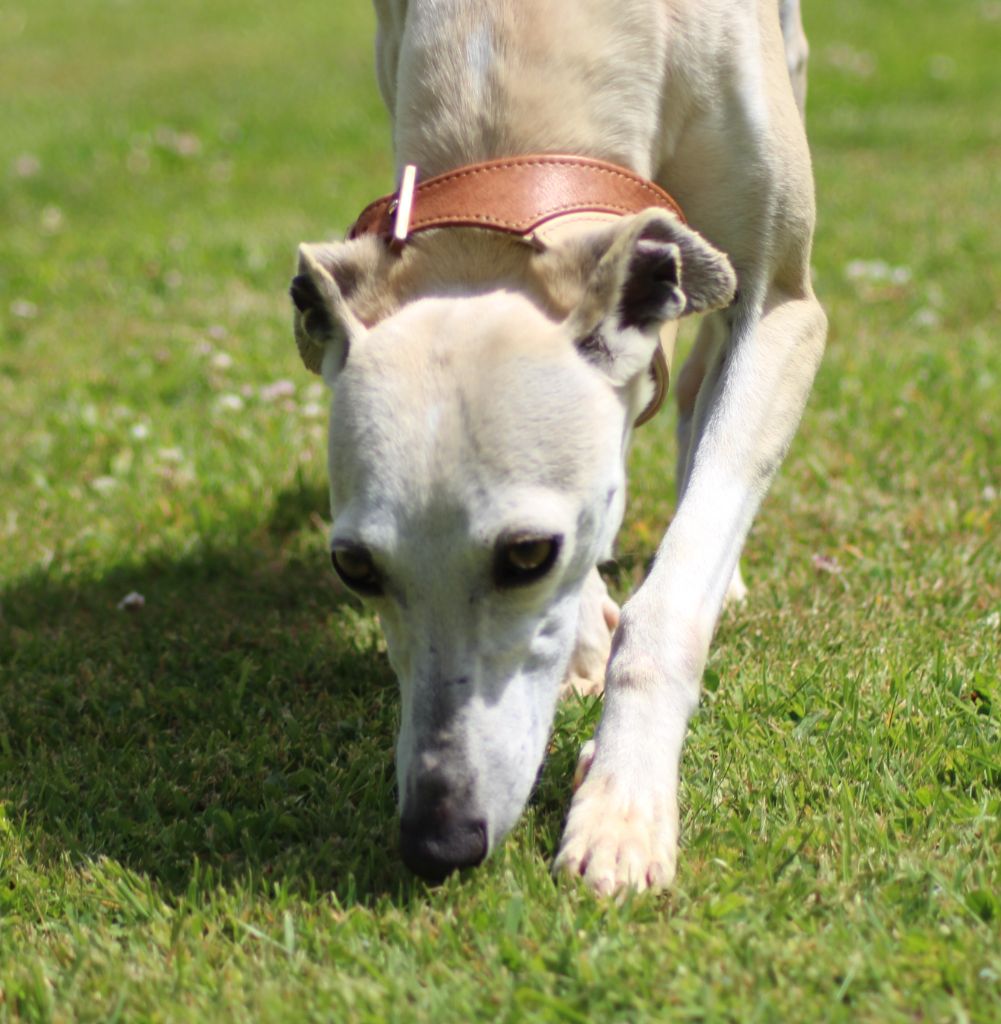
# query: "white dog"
494,336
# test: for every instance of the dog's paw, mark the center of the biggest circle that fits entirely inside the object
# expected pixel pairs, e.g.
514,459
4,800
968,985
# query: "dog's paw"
599,615
582,686
619,838
736,593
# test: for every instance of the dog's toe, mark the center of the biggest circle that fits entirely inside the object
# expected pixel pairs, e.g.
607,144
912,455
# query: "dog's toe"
584,760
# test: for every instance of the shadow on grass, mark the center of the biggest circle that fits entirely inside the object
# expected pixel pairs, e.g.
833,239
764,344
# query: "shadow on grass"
243,719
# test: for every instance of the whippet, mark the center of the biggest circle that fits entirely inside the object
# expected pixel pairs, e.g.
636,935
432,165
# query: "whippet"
493,332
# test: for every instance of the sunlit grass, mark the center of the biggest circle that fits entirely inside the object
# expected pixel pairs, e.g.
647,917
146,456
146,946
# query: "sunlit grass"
196,798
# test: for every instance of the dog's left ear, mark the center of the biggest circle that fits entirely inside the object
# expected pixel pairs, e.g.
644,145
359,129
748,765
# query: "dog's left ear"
325,327
656,269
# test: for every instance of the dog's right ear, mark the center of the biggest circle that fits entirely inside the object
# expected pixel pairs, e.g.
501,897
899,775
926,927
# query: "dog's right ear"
325,327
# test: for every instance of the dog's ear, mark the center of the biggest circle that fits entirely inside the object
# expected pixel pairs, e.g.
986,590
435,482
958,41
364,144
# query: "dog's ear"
655,269
325,327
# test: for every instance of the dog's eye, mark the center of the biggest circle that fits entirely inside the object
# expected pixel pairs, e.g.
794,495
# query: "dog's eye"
522,560
356,568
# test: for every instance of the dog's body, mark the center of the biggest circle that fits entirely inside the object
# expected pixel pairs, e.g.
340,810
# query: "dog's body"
486,392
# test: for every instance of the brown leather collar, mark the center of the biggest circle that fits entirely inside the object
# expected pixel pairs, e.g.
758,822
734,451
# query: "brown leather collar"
518,196
515,195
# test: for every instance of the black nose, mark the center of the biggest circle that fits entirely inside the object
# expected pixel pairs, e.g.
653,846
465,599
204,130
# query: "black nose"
435,844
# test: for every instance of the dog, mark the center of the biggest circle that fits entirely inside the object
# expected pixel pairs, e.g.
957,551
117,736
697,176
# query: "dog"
488,377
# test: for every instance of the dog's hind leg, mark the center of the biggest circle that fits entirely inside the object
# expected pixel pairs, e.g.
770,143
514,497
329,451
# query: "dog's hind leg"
797,50
702,361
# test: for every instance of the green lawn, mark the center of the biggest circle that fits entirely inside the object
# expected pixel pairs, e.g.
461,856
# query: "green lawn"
196,798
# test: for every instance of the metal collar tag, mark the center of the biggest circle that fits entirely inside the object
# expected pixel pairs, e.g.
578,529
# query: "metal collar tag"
404,207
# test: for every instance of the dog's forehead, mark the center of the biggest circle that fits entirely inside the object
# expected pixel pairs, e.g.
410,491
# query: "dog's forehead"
466,395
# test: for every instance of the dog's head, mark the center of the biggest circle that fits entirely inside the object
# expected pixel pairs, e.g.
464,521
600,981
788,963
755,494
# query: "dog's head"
477,441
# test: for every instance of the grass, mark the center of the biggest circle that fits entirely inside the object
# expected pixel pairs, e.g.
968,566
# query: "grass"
196,799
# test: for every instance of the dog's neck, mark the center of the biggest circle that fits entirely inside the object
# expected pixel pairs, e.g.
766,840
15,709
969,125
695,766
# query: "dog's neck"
478,81
473,80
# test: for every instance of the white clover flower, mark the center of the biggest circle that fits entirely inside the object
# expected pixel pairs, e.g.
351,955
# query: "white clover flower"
229,402
277,389
132,602
27,165
877,270
23,309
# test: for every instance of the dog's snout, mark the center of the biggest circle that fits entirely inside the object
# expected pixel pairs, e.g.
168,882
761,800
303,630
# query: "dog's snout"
436,840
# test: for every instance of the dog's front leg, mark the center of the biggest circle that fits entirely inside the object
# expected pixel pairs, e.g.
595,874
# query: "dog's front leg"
622,830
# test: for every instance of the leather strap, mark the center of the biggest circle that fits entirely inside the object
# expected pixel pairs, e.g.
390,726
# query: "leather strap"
517,195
